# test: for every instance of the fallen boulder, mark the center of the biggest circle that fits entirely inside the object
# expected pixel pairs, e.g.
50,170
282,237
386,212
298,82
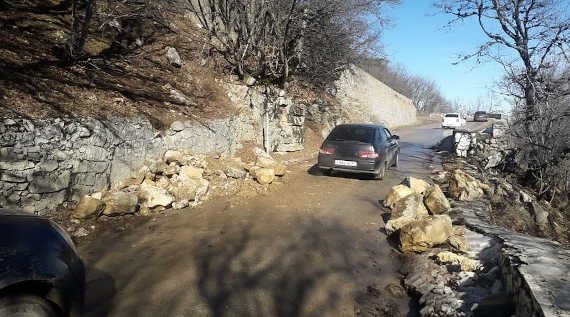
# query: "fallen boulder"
407,210
395,194
88,207
152,196
280,169
265,176
423,234
410,206
417,185
191,172
173,156
236,172
436,202
465,263
120,203
184,188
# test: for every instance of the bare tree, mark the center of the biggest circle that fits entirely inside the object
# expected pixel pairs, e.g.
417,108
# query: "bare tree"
279,38
426,95
537,35
537,31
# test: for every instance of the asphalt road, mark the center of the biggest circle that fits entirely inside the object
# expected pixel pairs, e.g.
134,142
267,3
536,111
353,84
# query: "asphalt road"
312,247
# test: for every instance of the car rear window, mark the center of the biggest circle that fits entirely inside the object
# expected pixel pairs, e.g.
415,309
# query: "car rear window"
452,115
352,133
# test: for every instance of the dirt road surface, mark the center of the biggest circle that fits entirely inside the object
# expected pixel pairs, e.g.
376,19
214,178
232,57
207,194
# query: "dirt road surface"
310,247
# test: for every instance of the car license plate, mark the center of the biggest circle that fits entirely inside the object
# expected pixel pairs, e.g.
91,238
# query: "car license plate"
345,163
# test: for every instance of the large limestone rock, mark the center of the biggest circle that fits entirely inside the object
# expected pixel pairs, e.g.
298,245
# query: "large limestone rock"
280,169
407,210
263,160
395,194
191,172
417,185
265,176
88,207
190,189
423,234
465,187
235,172
120,203
173,156
436,202
465,263
410,206
152,196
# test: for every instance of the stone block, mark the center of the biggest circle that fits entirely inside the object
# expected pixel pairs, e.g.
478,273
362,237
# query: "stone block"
43,182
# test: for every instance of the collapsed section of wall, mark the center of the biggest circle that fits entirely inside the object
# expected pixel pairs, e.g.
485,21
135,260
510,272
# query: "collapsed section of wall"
370,100
45,163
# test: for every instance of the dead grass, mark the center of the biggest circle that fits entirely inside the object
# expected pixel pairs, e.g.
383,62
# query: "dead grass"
36,83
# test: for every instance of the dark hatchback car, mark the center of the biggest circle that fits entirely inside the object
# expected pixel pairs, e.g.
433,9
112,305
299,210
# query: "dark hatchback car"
359,148
481,116
40,272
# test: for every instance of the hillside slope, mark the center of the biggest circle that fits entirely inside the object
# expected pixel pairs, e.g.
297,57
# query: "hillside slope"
370,100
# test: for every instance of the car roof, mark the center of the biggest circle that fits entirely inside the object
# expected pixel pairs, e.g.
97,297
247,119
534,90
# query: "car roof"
365,125
451,113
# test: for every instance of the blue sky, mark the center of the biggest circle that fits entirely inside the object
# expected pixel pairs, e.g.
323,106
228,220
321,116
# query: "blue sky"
419,41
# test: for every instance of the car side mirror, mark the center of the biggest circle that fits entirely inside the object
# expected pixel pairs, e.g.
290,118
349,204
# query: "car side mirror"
396,137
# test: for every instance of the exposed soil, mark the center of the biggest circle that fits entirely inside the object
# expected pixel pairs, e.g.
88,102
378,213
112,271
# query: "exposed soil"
308,247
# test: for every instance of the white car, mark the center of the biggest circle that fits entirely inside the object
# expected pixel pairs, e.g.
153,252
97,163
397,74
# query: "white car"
452,120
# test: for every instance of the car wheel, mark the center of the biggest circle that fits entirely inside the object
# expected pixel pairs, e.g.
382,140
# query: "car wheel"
397,160
381,172
27,306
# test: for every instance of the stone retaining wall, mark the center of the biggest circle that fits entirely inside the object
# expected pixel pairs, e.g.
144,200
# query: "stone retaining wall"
44,163
370,100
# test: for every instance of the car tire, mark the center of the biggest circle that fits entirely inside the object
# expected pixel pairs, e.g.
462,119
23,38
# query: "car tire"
381,172
27,306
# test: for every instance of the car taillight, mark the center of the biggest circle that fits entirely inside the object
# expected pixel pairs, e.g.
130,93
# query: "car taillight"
327,151
368,154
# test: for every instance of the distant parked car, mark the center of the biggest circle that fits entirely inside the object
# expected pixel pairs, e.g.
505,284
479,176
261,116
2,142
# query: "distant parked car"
495,115
481,116
41,274
452,120
360,148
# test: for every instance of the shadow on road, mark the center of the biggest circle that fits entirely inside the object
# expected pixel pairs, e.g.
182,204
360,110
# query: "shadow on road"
101,291
238,270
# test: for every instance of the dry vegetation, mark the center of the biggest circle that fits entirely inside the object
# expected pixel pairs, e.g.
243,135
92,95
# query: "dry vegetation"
113,76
